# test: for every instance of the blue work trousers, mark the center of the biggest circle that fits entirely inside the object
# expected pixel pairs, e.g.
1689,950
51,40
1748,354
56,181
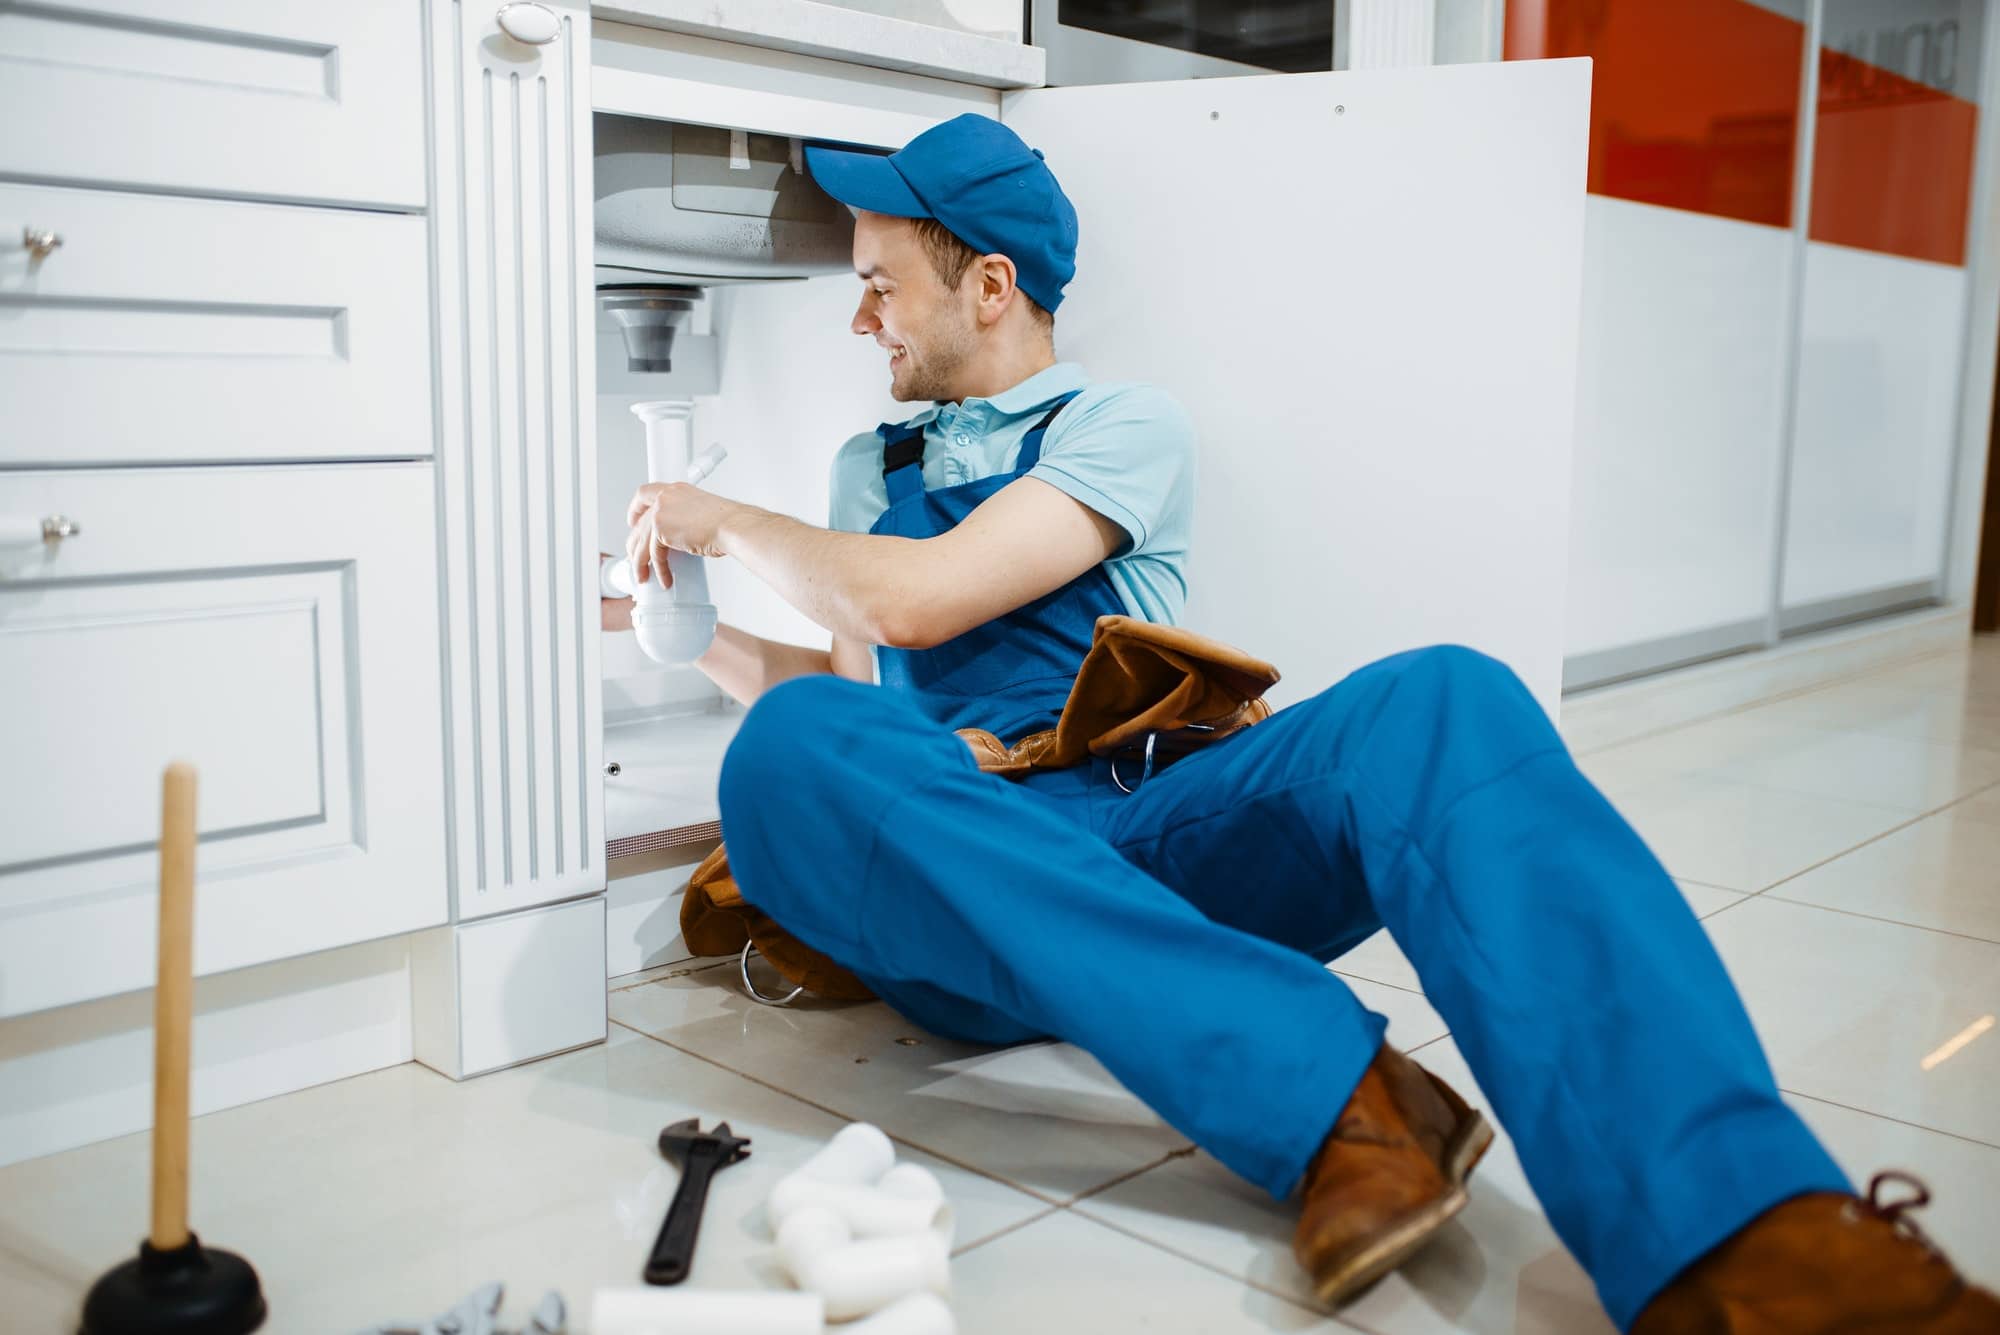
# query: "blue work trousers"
1179,934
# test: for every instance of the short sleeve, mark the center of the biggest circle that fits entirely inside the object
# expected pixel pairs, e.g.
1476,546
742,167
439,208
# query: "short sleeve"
855,493
1127,452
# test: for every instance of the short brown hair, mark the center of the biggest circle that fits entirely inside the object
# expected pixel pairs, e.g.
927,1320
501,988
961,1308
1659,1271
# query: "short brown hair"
951,257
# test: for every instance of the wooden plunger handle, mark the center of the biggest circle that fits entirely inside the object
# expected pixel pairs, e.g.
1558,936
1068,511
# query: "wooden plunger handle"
173,1006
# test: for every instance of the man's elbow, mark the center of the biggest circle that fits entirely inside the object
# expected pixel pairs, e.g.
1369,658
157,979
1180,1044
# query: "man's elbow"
908,628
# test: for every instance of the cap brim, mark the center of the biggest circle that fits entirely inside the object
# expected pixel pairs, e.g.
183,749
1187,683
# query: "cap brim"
864,181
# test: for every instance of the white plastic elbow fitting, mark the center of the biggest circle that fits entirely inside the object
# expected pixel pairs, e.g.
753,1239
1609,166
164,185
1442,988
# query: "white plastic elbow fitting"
908,1199
858,1152
918,1314
855,1278
696,1312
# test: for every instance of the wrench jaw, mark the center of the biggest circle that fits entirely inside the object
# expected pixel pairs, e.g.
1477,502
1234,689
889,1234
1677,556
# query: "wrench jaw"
681,1139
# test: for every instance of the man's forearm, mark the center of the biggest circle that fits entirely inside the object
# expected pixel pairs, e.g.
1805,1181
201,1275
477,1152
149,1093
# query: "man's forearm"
747,665
849,583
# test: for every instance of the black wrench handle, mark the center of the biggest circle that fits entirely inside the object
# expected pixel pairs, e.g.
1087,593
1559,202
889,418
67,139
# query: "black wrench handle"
673,1250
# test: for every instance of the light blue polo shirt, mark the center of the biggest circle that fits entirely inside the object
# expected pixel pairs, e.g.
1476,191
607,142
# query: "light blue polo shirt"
1125,450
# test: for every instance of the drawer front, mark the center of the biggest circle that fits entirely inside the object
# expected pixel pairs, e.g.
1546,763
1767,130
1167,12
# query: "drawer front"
182,331
277,628
269,99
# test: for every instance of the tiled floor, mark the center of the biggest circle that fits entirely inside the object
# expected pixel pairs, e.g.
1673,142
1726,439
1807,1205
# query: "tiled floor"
1842,847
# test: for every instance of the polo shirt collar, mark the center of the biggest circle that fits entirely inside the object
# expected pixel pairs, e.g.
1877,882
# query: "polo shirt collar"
1038,390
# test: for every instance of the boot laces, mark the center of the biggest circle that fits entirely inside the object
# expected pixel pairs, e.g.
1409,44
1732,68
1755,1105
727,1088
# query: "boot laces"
1896,1213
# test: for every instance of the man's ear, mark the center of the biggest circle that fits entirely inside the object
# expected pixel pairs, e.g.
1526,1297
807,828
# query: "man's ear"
996,287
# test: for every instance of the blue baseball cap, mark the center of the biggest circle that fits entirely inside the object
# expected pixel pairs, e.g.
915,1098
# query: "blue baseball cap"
975,176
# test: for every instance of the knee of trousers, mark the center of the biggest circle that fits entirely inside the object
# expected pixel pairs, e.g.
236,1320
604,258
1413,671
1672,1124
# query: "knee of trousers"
781,752
1447,698
1456,671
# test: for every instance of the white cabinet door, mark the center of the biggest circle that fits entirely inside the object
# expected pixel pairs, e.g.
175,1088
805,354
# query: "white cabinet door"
273,99
192,331
277,627
1365,288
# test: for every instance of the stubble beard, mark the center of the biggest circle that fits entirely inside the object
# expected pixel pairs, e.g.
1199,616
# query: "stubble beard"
946,347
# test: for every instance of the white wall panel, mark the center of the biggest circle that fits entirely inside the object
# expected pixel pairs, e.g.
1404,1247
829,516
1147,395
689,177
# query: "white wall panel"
1679,419
1365,288
1879,366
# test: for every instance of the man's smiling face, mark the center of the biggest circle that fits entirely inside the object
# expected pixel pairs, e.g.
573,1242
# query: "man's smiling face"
927,330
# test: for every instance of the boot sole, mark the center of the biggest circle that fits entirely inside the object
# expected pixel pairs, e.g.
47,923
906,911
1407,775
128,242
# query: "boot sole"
1349,1276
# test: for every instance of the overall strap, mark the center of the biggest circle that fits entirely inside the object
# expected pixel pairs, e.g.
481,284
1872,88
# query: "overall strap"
1031,444
902,459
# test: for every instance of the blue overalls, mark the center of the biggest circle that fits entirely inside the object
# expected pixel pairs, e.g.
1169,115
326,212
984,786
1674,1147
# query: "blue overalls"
1178,934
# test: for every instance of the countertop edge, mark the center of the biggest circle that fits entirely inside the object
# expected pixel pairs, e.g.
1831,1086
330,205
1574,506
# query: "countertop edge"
804,27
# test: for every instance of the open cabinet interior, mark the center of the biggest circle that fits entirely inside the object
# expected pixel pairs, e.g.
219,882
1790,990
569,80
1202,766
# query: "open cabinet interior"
764,356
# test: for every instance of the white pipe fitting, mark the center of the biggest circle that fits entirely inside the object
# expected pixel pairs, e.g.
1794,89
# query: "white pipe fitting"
908,1199
695,1312
858,1152
918,1314
855,1278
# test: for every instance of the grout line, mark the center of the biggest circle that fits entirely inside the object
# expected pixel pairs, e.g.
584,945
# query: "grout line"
678,969
1257,1285
1125,1177
1917,819
1429,1042
1014,1227
1364,978
1742,897
1884,1117
1891,922
990,1176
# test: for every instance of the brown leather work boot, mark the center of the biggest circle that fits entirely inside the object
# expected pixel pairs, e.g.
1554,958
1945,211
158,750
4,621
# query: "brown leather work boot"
1825,1264
1389,1175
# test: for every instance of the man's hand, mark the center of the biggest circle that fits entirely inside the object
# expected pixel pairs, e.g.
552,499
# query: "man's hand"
613,613
673,516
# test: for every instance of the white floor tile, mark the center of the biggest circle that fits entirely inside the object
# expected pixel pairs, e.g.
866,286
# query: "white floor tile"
392,1195
1943,872
1412,1021
1866,767
1704,900
1380,960
1738,836
1964,1214
1044,1117
1497,1268
1066,1273
1851,1010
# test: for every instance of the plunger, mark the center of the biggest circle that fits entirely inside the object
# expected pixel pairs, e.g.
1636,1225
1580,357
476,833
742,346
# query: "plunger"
175,1284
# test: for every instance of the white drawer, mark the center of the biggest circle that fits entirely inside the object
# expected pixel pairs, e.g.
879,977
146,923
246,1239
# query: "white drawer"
275,626
184,330
271,99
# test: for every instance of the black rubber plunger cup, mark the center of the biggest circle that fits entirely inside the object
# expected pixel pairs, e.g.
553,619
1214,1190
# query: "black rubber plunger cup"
189,1289
175,1285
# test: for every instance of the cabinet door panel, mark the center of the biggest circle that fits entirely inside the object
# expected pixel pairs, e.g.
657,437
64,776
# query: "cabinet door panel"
194,331
276,627
273,99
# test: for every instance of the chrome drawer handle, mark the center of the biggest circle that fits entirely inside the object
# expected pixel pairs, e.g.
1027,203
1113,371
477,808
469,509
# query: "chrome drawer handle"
40,242
57,527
